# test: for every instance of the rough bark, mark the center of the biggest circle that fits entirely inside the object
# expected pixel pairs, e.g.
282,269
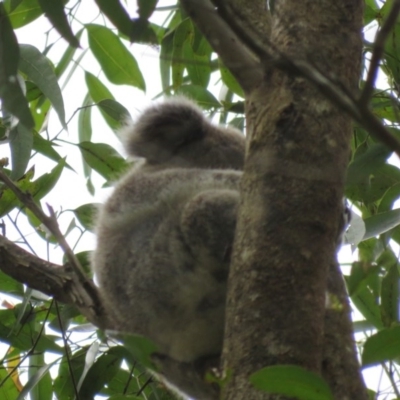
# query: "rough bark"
291,200
60,282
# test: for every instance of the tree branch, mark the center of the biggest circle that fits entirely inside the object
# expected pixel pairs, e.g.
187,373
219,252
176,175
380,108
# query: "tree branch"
333,89
61,282
49,222
379,47
241,62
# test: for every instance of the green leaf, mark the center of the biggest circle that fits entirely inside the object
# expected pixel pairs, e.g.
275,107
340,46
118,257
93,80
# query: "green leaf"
21,142
390,296
381,223
141,349
184,32
117,14
10,286
392,45
8,199
54,11
165,61
103,159
101,372
64,385
99,92
230,81
11,94
8,388
85,131
26,12
198,67
39,385
46,147
45,183
383,346
117,63
84,120
201,95
38,69
365,302
86,215
291,381
67,57
115,110
366,164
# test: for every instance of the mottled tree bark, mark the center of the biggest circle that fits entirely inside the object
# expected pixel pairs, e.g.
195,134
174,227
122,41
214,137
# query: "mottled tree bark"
291,206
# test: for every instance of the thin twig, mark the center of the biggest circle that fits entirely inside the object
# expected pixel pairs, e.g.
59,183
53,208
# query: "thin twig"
49,222
379,47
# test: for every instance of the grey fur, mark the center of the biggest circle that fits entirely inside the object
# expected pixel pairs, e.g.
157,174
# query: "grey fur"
165,236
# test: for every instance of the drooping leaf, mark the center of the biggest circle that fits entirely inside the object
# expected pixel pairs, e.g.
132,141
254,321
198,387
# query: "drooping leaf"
21,142
54,11
184,32
86,214
11,94
115,110
45,183
99,92
117,14
100,373
67,57
117,63
103,159
37,67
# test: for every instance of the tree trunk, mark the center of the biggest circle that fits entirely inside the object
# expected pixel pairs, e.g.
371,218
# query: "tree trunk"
291,208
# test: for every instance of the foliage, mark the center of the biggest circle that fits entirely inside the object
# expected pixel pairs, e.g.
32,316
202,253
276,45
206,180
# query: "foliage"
48,346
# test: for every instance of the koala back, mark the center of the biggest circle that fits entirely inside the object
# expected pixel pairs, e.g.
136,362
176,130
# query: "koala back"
165,234
175,133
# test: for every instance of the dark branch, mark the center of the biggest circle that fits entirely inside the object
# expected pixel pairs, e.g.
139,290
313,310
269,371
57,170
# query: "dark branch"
379,47
60,282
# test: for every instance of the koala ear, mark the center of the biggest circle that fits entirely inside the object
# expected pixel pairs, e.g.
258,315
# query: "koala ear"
163,129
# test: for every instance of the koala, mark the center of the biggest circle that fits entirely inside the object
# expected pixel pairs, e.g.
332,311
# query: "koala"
164,239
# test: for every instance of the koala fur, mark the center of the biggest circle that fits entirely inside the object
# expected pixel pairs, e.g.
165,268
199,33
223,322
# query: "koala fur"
164,239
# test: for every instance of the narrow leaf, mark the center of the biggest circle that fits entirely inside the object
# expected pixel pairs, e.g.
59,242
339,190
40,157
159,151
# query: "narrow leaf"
103,159
54,11
21,142
115,110
117,63
117,14
99,92
37,67
11,93
381,223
